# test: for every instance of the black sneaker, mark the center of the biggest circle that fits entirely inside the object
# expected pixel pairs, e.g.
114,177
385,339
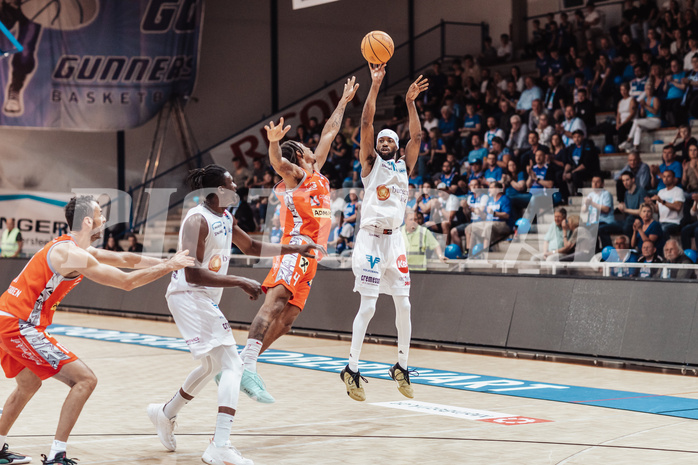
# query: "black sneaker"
7,456
402,378
352,381
59,459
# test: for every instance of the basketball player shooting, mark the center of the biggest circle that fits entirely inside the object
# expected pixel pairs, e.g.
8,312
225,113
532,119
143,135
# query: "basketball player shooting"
27,352
24,62
379,260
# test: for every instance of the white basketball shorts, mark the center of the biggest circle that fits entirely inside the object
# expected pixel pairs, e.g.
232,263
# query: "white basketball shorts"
200,322
379,262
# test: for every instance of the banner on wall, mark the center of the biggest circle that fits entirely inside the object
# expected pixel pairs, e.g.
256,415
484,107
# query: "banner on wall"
97,65
38,215
252,142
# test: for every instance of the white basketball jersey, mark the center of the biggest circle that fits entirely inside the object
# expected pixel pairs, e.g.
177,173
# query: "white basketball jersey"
385,194
216,254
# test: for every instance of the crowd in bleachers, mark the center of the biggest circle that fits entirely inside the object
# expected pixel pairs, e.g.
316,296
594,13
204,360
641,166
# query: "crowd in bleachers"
495,142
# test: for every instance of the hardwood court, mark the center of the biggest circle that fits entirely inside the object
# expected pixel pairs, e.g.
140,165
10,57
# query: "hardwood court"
315,422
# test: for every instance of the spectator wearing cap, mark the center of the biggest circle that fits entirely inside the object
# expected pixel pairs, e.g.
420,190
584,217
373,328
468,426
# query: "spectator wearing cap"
669,203
649,255
495,225
518,136
570,125
419,242
673,253
476,170
581,160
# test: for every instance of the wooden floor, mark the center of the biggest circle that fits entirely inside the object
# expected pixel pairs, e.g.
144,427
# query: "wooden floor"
314,422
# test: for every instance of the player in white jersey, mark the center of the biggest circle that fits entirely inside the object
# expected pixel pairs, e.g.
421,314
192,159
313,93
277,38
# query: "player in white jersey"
193,297
379,260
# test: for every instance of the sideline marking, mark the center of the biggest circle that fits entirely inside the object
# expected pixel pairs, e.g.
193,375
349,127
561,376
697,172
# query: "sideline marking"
680,407
460,412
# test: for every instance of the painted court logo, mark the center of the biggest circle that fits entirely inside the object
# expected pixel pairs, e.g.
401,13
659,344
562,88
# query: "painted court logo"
372,260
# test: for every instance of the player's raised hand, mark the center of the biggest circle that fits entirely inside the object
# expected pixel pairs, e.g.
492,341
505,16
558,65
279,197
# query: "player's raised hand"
276,132
307,249
181,260
350,89
251,288
416,88
377,72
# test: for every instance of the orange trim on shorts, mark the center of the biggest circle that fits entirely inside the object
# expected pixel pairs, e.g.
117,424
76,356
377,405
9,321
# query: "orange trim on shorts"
297,279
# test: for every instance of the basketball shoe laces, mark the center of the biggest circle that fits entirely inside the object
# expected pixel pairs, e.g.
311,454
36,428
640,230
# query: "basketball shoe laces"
355,378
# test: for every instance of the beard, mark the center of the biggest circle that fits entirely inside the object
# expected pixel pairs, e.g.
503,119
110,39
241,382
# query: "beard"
387,154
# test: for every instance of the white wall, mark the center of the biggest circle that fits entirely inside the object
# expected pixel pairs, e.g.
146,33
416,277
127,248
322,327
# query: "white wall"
233,89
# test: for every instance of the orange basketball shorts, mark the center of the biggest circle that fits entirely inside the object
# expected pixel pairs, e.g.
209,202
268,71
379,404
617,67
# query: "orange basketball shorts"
295,273
25,346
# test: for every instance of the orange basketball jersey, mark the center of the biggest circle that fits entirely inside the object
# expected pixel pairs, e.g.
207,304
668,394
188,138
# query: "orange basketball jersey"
306,209
34,295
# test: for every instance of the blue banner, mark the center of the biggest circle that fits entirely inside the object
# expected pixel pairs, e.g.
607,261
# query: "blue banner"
96,65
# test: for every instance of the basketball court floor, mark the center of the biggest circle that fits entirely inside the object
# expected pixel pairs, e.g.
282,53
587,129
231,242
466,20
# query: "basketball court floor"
468,409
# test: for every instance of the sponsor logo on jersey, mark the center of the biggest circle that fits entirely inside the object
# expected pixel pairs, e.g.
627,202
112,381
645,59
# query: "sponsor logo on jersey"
370,279
383,192
218,228
322,213
215,263
372,260
402,264
195,340
13,291
304,263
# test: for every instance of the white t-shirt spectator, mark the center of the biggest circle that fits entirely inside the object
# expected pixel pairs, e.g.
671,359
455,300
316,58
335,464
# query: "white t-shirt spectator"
504,50
571,125
429,125
666,215
687,60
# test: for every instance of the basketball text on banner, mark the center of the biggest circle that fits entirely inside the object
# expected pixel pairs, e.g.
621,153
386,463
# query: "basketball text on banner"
39,216
96,65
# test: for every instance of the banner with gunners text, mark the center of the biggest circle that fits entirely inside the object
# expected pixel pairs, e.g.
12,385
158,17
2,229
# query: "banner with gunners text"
96,65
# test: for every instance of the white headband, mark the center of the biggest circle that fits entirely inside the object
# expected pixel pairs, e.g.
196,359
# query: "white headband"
389,133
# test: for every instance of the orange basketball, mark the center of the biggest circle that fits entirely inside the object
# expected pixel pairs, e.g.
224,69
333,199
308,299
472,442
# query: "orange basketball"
377,47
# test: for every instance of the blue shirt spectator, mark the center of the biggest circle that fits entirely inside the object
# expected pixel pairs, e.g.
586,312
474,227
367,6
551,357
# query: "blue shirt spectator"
529,94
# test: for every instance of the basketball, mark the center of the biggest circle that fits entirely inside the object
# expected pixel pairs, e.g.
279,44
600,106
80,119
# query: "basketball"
65,15
377,47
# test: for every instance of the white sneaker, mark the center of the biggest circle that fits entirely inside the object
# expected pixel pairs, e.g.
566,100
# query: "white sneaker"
625,145
226,455
164,426
13,105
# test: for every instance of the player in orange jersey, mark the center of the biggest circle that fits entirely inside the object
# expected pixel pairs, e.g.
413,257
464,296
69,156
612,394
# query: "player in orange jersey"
27,352
304,194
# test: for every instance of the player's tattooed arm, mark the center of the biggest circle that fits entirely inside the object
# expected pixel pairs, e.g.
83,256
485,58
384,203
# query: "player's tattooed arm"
334,124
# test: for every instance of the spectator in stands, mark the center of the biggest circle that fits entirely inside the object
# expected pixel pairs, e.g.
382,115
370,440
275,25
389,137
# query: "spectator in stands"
438,148
602,84
495,225
648,118
505,51
530,93
557,149
581,160
113,245
471,68
545,130
540,175
533,116
492,132
508,91
558,64
639,83
478,151
669,204
430,121
472,124
624,255
554,239
689,180
443,210
419,242
632,199
353,178
352,209
682,141
241,173
446,176
673,110
689,84
640,172
571,125
649,255
692,50
542,62
577,243
593,22
584,109
488,55
133,245
669,163
518,136
493,173
424,200
646,228
555,95
598,205
527,158
673,253
447,126
504,115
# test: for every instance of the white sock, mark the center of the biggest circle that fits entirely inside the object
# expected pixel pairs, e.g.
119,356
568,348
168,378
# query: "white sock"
56,447
361,321
3,441
175,405
250,354
404,328
224,423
